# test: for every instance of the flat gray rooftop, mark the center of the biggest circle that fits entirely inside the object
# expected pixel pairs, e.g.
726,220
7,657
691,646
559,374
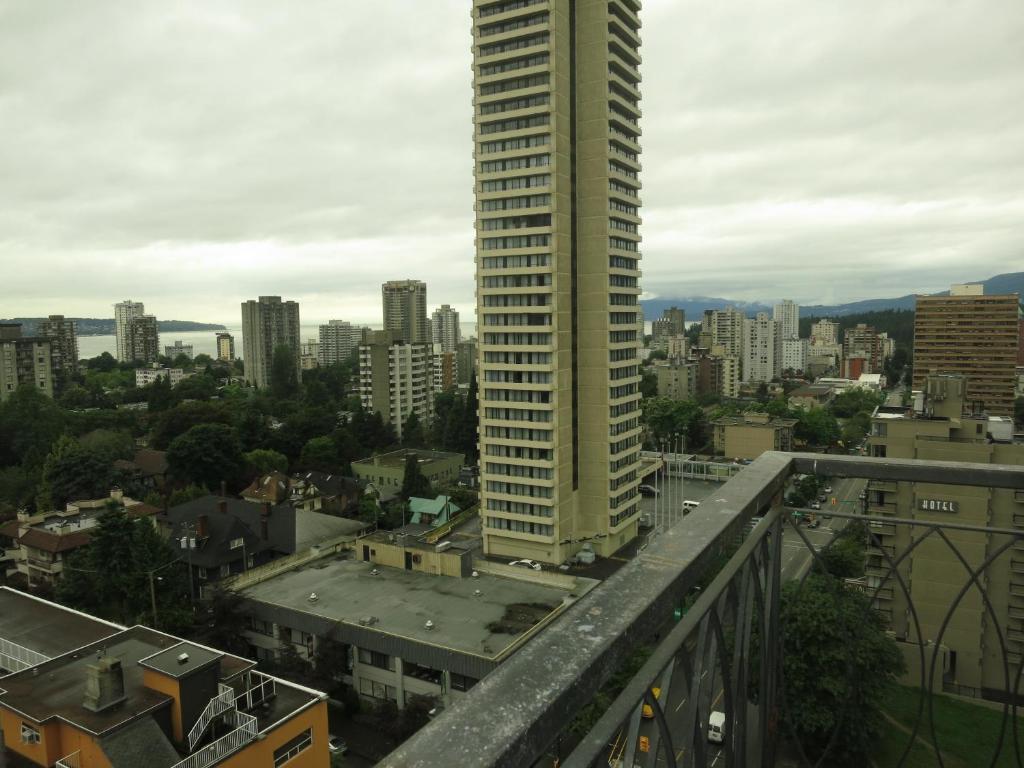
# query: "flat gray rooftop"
403,601
47,628
166,661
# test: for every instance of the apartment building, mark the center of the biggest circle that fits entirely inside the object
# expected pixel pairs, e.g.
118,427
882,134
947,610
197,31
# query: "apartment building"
178,348
794,354
725,330
146,376
786,315
64,348
557,111
466,360
85,693
338,340
225,347
677,378
970,334
762,349
405,311
396,379
864,351
946,424
269,323
671,324
750,435
445,368
387,470
444,324
26,361
124,313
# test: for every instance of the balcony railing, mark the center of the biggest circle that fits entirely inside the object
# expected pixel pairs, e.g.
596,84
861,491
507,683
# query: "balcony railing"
244,732
16,657
69,761
726,652
217,706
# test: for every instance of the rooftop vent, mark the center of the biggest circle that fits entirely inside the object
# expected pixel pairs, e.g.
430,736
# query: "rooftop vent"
429,624
477,593
476,575
375,572
313,597
183,658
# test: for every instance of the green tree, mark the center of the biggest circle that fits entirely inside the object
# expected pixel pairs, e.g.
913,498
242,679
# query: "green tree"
30,423
470,419
199,387
76,396
202,360
838,664
72,472
852,401
319,454
817,427
105,363
856,428
222,623
846,557
207,455
412,432
264,460
17,491
181,418
111,444
648,384
670,420
190,492
414,482
159,395
284,381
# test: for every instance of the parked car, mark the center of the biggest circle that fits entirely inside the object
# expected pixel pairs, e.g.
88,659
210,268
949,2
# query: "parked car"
827,489
716,727
527,564
648,490
337,745
815,505
647,711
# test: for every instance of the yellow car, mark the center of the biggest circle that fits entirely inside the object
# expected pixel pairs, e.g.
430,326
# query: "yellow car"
647,711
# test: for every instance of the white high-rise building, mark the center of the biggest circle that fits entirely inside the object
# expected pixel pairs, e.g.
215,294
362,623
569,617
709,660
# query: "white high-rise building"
267,324
124,313
396,379
794,354
762,361
445,326
787,316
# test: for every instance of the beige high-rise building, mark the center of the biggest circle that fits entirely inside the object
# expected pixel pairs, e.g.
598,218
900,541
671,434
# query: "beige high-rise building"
64,336
142,339
726,329
396,379
405,310
556,95
445,327
225,347
267,324
972,334
762,346
124,313
25,361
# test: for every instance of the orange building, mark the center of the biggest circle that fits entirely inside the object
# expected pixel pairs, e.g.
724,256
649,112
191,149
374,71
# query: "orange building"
139,697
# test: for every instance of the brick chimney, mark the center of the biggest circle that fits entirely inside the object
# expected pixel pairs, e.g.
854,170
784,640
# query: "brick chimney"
265,521
202,527
222,506
104,684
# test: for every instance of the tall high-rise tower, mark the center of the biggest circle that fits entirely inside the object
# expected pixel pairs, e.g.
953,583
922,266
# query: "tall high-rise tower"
445,324
267,324
786,314
405,310
124,313
556,94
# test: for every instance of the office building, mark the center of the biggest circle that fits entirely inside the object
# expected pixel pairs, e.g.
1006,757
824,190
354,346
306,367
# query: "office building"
225,347
556,97
338,340
87,693
25,361
445,327
974,335
178,348
124,313
269,323
405,311
64,348
396,379
787,315
946,423
762,361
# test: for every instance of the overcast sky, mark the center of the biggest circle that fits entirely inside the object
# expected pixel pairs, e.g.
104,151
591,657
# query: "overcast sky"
194,154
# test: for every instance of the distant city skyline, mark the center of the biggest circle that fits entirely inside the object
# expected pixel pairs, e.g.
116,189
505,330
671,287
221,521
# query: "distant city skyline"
793,150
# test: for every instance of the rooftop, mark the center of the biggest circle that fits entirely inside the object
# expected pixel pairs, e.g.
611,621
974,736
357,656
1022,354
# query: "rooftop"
396,459
181,659
45,627
464,612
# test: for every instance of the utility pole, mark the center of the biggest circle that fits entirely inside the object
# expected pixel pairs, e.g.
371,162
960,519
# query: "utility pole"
189,543
152,598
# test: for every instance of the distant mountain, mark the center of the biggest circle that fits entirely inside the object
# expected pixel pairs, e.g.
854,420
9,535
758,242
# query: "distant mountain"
1012,282
104,326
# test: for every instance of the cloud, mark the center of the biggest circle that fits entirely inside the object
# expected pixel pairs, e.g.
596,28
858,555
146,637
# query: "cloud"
192,155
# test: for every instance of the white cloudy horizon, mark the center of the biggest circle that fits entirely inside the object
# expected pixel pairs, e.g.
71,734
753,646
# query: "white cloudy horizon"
194,155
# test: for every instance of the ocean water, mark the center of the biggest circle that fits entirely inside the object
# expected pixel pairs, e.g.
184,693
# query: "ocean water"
203,342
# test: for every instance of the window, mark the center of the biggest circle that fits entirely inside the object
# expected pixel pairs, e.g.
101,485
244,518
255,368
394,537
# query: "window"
225,570
375,659
29,735
293,747
237,543
376,690
202,573
462,682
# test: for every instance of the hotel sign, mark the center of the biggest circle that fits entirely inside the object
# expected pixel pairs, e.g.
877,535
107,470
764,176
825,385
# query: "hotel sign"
938,505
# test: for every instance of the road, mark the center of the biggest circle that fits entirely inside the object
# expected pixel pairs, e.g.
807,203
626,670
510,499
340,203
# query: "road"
796,560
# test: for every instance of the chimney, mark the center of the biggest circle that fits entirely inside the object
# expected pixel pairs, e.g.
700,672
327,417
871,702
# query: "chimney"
116,494
202,526
222,506
104,684
265,521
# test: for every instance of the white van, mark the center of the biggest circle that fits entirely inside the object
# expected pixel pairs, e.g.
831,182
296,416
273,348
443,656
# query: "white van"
689,505
716,727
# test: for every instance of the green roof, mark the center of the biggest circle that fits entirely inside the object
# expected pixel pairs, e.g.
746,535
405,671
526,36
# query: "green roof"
441,509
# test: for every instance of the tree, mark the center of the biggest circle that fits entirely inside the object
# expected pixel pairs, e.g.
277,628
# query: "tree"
111,444
320,455
852,401
817,427
224,623
467,443
30,423
670,420
181,418
105,363
17,491
838,664
412,432
845,558
648,384
207,454
159,396
110,577
264,460
414,482
1018,411
200,387
284,381
72,472
202,360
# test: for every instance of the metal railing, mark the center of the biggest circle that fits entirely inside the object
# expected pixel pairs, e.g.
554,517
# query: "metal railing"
726,653
69,761
260,688
16,657
217,706
245,731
